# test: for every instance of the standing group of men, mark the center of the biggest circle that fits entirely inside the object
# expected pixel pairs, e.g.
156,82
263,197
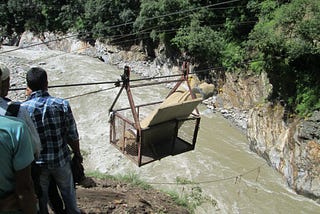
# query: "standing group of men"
36,136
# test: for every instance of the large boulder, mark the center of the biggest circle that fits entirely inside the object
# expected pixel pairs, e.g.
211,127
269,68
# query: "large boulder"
201,88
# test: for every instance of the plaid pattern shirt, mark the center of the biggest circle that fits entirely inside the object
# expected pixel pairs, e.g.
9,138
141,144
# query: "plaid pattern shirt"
55,123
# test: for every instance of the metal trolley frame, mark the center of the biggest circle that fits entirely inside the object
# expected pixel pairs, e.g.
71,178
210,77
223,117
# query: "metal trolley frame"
145,145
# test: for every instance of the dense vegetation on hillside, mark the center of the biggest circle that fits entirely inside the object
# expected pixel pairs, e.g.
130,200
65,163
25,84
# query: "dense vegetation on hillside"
280,37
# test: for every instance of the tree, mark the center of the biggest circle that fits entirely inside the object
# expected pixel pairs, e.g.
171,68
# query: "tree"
21,15
287,42
110,18
70,15
158,22
203,43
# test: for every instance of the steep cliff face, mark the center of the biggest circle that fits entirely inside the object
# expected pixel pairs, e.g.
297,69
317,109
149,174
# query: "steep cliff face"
307,156
243,92
293,149
291,146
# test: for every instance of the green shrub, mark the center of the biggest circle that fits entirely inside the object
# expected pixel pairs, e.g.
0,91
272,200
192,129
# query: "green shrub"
308,101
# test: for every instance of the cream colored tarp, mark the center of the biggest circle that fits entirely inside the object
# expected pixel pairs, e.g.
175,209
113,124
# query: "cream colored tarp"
178,105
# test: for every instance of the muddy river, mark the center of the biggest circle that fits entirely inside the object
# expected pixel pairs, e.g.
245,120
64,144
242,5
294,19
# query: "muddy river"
222,170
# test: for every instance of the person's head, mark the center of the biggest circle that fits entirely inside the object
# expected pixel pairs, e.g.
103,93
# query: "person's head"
5,80
37,79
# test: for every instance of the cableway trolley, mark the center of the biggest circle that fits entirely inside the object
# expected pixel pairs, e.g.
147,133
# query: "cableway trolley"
170,129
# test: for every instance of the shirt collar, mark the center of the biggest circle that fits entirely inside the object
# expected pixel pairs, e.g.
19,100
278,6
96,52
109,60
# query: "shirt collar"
39,93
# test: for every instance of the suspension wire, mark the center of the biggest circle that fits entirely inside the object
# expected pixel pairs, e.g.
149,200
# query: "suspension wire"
91,92
169,31
148,30
236,178
101,83
114,82
154,83
40,43
133,80
156,77
122,36
124,24
190,10
141,32
115,38
70,85
132,86
177,12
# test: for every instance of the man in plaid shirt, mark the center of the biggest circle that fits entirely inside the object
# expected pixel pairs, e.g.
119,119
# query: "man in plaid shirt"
57,130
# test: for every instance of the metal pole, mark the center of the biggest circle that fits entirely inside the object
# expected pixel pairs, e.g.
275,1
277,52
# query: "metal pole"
115,100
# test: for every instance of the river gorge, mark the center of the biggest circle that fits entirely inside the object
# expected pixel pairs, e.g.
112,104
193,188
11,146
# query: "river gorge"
232,178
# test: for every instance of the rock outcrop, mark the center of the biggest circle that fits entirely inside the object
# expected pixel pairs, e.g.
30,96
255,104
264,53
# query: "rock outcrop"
291,146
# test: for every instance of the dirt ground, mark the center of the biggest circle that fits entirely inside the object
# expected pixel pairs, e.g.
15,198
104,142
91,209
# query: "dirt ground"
110,196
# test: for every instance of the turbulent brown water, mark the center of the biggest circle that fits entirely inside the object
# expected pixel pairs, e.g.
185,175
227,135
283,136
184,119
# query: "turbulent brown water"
222,170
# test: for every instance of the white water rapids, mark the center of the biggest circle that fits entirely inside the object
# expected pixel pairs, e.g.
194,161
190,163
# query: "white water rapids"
232,178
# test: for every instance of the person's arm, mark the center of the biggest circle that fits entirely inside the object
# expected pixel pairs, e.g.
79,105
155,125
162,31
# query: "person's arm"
72,132
75,148
25,191
36,143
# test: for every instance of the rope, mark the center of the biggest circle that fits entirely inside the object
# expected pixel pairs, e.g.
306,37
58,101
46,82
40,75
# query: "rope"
237,178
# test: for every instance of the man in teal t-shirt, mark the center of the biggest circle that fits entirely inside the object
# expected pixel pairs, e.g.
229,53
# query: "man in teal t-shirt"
16,155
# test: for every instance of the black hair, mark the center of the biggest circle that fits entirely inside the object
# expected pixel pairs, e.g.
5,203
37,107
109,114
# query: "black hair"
37,79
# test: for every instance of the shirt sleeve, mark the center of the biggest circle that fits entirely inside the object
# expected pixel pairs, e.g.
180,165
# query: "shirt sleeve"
36,143
23,151
71,127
